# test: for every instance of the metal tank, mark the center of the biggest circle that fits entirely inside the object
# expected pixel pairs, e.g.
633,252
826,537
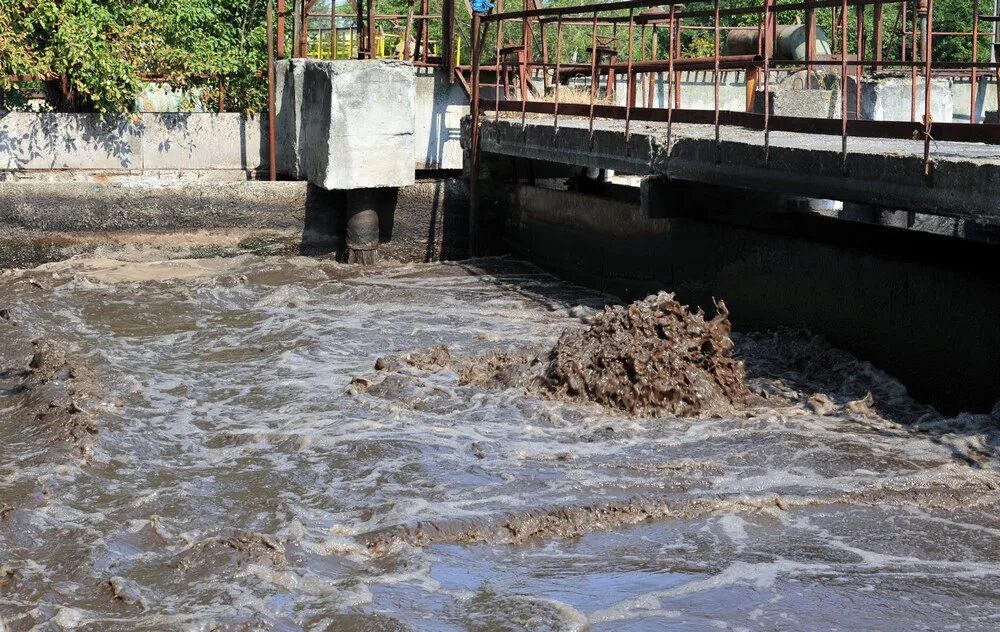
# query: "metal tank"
790,44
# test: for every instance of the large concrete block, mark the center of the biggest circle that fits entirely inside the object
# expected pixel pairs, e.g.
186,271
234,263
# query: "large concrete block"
807,103
889,98
358,123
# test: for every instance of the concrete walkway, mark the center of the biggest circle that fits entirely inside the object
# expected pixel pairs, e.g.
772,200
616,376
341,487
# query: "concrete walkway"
888,173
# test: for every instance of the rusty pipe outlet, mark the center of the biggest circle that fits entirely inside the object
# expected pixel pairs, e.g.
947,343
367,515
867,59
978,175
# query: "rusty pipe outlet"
362,226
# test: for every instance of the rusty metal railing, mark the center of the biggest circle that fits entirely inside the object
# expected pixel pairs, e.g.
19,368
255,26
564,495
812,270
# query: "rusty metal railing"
512,55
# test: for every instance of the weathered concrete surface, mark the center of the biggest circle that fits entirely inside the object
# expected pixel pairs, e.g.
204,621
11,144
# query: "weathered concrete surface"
357,123
888,99
921,307
439,109
288,82
888,173
31,142
46,221
810,103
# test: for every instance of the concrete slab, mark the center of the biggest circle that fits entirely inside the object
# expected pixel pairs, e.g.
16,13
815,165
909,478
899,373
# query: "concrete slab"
889,173
358,123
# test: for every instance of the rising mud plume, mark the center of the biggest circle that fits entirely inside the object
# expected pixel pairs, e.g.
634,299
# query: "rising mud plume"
651,358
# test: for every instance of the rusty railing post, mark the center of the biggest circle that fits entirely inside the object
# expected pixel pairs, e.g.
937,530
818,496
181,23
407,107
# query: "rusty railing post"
928,87
716,25
474,145
272,166
843,87
282,9
973,79
629,80
593,76
557,79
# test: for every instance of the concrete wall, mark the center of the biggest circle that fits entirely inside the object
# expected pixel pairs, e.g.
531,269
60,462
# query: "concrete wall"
136,144
440,107
46,221
921,307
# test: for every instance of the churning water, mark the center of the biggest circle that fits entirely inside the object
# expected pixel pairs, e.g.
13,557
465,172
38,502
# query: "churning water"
190,453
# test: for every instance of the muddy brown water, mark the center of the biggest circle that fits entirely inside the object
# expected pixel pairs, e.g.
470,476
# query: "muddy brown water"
206,459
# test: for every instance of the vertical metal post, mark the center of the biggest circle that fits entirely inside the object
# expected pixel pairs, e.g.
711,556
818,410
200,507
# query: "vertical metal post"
282,9
810,44
474,149
843,86
767,81
671,36
333,29
629,80
653,49
523,71
496,92
928,86
593,75
676,52
913,68
371,28
448,52
973,79
859,39
272,166
558,77
877,35
297,28
222,95
361,29
718,139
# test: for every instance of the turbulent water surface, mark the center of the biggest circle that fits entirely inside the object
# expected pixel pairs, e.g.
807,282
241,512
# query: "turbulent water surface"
206,445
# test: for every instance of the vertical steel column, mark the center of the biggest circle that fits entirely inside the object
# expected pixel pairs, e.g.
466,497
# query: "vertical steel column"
810,44
629,80
859,39
671,36
282,9
843,86
768,47
371,28
973,83
877,35
593,75
558,78
718,138
272,167
474,148
928,86
333,29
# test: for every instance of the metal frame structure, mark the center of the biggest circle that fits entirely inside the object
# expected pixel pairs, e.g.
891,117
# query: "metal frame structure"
634,18
639,22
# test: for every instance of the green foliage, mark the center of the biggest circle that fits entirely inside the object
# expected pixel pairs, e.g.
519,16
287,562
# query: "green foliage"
107,48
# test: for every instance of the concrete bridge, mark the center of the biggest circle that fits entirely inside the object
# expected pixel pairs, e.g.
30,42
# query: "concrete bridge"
964,181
